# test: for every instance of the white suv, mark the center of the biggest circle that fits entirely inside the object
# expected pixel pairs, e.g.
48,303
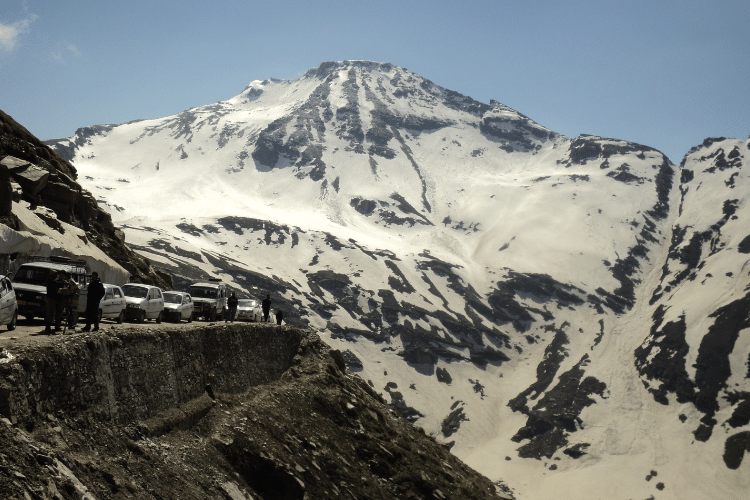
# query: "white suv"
209,299
143,302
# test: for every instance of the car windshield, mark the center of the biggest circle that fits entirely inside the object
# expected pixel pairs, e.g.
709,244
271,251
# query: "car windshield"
137,292
203,292
172,298
246,303
32,275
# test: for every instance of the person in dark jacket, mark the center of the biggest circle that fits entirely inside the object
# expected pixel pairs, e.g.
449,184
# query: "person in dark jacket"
266,307
279,317
96,292
54,304
232,304
69,291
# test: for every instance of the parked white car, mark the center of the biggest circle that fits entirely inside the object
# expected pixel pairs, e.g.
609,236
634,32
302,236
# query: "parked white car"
112,305
143,302
178,306
248,310
8,305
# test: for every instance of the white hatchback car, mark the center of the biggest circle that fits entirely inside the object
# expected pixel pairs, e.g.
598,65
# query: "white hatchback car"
112,305
8,305
178,306
248,310
143,302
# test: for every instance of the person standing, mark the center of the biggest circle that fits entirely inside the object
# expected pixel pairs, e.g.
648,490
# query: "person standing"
232,303
69,292
96,292
279,317
54,304
266,307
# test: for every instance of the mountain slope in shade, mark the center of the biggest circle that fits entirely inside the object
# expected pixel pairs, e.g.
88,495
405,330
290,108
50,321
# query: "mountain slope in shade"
568,313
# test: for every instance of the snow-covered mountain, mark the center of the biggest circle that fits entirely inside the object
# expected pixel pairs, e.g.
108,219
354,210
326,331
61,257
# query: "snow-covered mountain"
570,314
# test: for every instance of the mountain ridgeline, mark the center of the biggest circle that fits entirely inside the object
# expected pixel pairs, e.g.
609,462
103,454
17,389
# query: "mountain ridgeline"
545,304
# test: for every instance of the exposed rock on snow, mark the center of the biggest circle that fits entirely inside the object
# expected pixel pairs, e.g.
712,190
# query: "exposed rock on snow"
597,290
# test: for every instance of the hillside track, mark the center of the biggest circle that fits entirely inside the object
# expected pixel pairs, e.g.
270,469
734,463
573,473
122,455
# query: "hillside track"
31,333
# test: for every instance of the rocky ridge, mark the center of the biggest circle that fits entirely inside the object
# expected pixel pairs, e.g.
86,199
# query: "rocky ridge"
317,431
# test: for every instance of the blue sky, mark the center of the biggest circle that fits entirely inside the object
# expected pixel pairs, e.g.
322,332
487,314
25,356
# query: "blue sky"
666,74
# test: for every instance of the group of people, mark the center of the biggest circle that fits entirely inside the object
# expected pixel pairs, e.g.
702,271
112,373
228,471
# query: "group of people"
63,295
265,305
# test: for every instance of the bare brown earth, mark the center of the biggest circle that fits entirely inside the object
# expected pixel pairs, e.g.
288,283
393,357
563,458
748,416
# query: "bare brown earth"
318,432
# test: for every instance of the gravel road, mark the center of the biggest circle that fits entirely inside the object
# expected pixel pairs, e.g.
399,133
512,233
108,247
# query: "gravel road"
32,332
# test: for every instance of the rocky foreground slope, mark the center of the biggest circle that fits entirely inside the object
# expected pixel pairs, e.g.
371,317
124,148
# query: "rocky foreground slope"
316,431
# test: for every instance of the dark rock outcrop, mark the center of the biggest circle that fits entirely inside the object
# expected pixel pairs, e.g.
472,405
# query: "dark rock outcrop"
47,179
293,424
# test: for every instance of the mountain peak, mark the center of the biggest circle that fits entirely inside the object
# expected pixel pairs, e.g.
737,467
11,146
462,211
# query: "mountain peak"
556,281
328,67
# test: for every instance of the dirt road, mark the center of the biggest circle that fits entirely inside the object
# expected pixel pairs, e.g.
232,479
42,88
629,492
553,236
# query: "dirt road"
29,333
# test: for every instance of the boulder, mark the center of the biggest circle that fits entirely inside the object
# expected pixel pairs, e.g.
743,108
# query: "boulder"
59,192
63,211
31,178
16,191
443,376
13,163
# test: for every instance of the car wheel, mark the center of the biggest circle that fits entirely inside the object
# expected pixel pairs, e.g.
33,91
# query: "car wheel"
12,324
121,317
158,318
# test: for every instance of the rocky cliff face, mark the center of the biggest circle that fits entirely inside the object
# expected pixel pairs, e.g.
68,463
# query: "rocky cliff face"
35,174
183,414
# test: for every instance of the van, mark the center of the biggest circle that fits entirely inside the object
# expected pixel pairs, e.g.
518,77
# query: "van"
30,282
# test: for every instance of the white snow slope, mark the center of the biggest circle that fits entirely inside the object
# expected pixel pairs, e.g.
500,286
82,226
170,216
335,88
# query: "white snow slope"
42,234
570,313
